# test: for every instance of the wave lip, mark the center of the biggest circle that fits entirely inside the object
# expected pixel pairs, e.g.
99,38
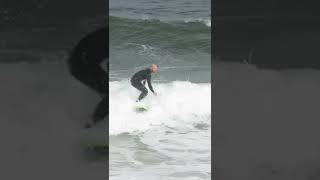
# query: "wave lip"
179,104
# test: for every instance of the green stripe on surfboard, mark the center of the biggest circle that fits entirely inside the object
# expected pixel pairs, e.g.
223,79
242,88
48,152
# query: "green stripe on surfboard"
141,109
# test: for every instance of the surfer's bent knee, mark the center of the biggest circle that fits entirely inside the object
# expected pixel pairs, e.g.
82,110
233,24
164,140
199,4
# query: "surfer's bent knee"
145,91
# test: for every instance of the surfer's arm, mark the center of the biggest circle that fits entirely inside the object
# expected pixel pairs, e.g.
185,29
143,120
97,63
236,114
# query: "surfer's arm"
149,84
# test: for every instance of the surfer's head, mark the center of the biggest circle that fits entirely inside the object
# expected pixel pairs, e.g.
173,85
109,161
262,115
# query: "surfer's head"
153,68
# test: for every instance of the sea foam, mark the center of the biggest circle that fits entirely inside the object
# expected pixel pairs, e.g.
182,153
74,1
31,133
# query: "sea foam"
179,103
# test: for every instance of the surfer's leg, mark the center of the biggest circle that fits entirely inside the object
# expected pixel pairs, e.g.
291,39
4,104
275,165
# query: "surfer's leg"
99,82
140,87
144,92
102,110
97,79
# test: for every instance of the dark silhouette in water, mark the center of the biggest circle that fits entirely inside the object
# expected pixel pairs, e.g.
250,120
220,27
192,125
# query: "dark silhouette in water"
85,65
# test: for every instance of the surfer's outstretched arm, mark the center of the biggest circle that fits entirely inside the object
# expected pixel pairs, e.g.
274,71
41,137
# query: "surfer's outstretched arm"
149,84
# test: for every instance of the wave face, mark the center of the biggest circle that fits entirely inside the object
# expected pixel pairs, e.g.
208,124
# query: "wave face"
176,35
181,49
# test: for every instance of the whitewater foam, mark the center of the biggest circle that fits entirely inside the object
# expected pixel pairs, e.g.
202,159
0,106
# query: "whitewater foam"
205,21
179,103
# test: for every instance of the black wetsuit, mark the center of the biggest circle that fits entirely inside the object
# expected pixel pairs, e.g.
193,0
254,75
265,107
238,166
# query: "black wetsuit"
136,81
85,65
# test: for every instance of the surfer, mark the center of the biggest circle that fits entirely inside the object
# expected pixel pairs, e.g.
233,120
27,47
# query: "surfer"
85,65
139,79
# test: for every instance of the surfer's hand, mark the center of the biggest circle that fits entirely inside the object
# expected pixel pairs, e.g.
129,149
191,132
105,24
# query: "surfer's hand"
155,93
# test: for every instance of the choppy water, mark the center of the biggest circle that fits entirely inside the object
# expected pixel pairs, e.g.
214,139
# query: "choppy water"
166,10
172,140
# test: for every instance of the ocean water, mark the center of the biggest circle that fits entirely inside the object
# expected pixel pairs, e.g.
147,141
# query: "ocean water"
267,122
172,139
